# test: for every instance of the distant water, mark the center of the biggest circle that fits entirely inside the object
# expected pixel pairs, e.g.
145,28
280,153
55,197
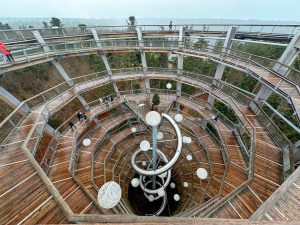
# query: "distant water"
68,22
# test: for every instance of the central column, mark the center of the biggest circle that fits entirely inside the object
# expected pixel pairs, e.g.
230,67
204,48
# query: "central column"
154,154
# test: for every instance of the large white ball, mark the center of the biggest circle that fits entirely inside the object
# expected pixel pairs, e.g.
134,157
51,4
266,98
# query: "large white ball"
185,184
161,192
151,198
178,118
189,157
172,185
169,86
145,145
202,173
153,118
160,135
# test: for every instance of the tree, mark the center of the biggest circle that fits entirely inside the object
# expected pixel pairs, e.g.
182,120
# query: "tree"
55,22
45,24
131,22
4,26
82,26
155,99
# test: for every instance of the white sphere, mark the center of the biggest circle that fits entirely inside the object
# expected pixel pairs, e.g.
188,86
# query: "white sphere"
186,139
169,85
172,185
153,118
176,197
178,118
151,198
202,173
135,182
86,142
144,163
109,195
145,145
160,135
161,192
189,157
133,129
185,184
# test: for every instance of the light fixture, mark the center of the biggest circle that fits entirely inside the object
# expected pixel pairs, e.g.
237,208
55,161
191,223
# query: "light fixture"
160,135
151,198
153,118
145,145
109,195
176,197
186,139
133,129
185,184
86,142
202,173
172,185
189,157
169,85
178,118
135,182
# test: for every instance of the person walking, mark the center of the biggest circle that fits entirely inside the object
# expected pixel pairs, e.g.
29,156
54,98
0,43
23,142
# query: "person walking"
71,124
79,116
170,25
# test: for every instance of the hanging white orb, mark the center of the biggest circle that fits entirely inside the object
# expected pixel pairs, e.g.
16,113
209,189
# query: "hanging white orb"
109,195
169,85
161,192
189,157
135,182
186,139
153,118
178,118
144,163
202,173
86,142
185,184
133,129
176,197
172,185
145,145
151,198
160,135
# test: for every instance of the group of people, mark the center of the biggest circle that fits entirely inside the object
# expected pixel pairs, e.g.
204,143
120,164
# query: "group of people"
107,99
81,117
5,52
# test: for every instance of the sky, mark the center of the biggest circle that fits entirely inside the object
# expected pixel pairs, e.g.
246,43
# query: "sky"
281,10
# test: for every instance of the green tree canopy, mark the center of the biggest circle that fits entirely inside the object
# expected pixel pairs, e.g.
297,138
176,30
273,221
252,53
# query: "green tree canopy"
55,22
4,26
131,22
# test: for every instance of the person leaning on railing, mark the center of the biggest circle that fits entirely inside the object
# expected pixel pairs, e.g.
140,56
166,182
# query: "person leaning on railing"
6,53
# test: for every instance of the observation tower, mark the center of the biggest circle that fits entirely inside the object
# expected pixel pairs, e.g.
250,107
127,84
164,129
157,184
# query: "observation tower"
189,124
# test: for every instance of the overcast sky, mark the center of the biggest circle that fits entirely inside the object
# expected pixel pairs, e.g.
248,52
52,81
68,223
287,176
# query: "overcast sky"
283,10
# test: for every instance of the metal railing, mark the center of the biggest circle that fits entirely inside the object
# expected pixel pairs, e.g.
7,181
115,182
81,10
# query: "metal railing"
252,30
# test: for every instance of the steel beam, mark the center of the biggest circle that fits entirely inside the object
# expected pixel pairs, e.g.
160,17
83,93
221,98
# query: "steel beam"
179,66
105,61
221,67
12,101
287,58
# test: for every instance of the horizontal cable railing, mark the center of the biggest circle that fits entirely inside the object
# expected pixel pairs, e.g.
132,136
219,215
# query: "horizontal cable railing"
252,30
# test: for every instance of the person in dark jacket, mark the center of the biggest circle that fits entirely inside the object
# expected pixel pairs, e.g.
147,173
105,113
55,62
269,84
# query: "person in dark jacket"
71,124
79,116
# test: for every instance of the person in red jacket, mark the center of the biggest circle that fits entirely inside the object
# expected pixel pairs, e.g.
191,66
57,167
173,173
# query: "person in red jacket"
2,47
4,51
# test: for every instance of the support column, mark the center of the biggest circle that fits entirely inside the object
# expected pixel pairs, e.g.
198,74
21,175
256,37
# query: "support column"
179,67
12,101
143,57
287,58
57,65
70,83
220,68
105,61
